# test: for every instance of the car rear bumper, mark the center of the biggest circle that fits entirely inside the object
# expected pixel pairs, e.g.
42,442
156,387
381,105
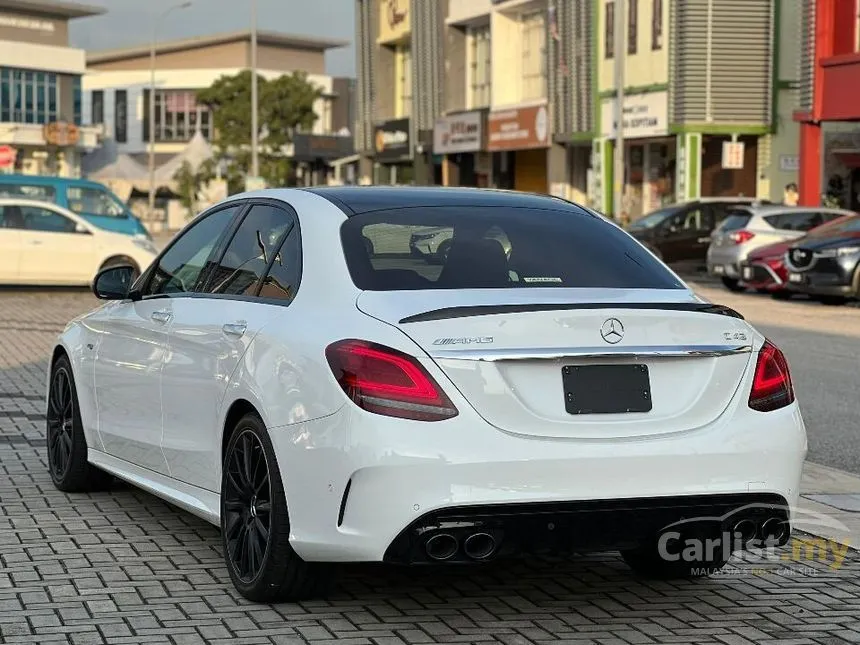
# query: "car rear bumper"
367,488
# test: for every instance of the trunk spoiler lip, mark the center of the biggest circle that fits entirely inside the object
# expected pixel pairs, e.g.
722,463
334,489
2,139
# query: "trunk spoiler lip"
557,353
468,311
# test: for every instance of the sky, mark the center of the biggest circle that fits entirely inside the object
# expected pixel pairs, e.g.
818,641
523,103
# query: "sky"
131,22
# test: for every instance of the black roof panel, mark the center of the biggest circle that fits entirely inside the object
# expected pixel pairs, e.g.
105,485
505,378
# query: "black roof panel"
363,199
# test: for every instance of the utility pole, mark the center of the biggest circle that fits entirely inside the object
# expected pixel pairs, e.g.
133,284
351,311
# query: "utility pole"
620,51
255,164
152,47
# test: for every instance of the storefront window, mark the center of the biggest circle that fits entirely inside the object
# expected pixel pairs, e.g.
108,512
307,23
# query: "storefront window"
403,61
177,116
479,67
78,100
534,56
28,97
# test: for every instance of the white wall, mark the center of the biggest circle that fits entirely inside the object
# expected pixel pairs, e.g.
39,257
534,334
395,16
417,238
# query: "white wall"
465,10
43,58
135,82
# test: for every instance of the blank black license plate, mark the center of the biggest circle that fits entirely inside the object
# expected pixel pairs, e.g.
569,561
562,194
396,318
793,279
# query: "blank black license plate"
606,389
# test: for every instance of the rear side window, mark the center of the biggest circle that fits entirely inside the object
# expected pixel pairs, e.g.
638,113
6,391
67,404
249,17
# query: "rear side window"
735,221
29,191
495,247
250,252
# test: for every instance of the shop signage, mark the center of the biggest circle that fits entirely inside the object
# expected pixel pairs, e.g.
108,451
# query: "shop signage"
645,115
789,163
458,133
60,133
310,147
7,156
393,19
18,22
733,155
518,129
391,140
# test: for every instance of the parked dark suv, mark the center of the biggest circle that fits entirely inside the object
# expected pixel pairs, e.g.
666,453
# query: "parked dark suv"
682,232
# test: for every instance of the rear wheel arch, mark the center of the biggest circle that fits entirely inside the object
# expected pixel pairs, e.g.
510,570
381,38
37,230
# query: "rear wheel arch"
238,409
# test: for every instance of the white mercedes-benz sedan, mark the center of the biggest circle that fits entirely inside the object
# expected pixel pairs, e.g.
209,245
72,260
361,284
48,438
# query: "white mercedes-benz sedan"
288,369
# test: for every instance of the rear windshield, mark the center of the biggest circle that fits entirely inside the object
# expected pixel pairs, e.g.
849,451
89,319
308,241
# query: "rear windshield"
495,247
735,221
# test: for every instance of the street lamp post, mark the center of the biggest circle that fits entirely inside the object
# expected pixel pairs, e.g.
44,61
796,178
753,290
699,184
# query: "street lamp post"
159,18
255,164
620,50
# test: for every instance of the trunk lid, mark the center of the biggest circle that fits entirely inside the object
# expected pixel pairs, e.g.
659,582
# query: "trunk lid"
505,351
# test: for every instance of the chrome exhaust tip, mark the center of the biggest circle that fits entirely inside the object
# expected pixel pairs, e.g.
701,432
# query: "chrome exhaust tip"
479,546
441,546
774,530
745,530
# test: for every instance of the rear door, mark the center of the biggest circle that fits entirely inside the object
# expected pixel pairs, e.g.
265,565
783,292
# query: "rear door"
686,234
579,334
209,334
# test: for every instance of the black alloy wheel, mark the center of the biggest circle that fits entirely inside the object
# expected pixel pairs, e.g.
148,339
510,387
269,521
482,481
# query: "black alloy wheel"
248,506
61,420
67,444
255,523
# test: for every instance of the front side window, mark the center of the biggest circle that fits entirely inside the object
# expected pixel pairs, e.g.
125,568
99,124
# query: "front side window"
479,67
181,266
93,201
253,247
534,56
46,221
494,247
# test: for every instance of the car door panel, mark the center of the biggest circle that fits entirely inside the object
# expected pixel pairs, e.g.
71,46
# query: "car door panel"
54,251
134,344
10,254
210,334
129,363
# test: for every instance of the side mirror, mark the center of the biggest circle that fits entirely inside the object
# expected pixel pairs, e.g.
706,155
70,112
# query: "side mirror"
80,228
114,283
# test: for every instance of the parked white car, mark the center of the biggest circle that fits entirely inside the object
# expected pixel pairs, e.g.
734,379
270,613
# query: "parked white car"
325,400
45,244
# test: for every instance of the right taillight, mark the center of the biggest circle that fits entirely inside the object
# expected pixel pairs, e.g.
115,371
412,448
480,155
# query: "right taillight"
739,237
771,388
386,381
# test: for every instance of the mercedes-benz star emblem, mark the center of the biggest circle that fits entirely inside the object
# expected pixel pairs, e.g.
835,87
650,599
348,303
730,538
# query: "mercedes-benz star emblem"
612,331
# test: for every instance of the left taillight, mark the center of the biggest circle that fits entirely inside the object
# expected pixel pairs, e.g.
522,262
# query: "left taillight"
772,388
386,381
739,237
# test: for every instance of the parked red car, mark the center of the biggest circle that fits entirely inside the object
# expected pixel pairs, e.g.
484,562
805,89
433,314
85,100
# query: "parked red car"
764,269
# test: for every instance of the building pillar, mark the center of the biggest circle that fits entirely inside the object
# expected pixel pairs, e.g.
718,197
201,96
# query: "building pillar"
365,171
557,170
809,172
689,166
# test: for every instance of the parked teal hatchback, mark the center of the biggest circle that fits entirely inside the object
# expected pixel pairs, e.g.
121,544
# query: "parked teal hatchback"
93,201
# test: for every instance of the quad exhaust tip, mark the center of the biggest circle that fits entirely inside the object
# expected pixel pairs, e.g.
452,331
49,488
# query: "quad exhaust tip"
745,530
479,546
441,546
774,529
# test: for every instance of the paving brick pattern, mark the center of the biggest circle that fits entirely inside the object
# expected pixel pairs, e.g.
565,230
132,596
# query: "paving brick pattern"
124,567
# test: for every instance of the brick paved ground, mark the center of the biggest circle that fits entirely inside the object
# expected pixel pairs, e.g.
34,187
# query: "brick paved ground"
123,567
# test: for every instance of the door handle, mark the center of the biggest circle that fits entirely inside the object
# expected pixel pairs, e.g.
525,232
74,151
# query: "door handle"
161,316
235,328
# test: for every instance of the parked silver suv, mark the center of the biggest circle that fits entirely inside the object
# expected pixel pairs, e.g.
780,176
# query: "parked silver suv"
751,227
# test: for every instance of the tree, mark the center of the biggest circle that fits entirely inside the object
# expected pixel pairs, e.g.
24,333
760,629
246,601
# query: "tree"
190,182
286,105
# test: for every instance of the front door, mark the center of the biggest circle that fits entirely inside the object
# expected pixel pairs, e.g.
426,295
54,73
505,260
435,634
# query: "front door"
54,249
133,346
210,334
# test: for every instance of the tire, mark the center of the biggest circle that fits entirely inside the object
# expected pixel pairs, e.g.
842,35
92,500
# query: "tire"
280,574
647,562
67,446
832,301
122,261
733,285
